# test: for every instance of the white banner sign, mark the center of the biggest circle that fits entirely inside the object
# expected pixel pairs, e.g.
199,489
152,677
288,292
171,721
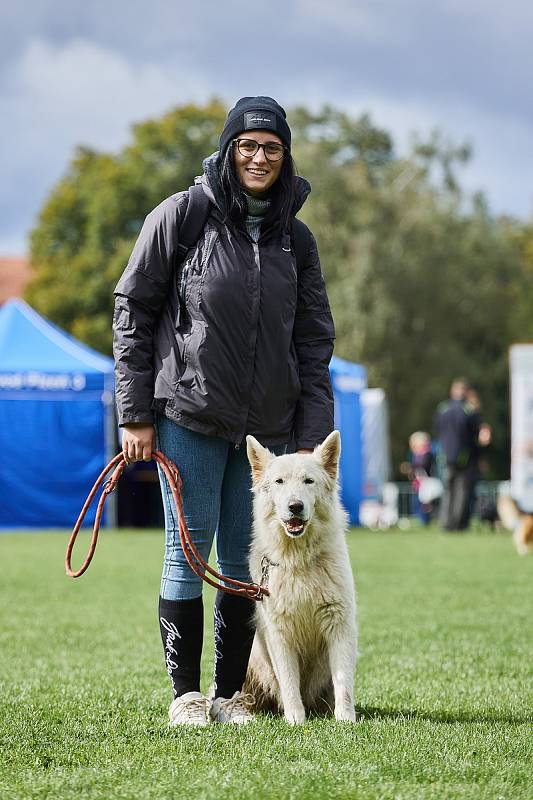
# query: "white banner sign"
521,362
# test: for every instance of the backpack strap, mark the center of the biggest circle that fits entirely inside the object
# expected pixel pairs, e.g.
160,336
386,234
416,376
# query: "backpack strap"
301,241
193,223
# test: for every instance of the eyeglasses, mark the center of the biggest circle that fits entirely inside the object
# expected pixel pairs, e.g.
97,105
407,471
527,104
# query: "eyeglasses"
249,147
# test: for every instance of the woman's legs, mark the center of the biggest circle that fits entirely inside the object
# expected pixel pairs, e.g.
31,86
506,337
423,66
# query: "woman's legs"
216,498
201,461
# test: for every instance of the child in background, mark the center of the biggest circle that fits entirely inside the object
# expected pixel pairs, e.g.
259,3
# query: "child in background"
418,469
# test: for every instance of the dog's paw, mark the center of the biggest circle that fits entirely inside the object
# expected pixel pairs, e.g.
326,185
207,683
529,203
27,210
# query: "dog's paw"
295,716
345,714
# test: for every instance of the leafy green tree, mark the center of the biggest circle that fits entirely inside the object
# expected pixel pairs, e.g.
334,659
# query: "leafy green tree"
420,285
88,225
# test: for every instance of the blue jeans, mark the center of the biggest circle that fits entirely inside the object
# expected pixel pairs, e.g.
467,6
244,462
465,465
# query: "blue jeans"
216,499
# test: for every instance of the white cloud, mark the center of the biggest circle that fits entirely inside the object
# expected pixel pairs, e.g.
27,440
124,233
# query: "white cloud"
58,97
84,92
501,164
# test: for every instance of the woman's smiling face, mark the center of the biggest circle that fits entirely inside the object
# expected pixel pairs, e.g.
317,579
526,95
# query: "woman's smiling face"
257,174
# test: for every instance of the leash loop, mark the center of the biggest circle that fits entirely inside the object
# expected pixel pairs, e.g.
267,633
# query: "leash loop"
198,565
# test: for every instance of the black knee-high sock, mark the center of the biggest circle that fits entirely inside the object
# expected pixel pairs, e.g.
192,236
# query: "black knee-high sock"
182,631
234,634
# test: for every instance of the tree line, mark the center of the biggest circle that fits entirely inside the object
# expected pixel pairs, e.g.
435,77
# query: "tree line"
425,283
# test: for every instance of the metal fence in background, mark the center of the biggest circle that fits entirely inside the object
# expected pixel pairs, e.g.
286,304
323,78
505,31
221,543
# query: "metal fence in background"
484,504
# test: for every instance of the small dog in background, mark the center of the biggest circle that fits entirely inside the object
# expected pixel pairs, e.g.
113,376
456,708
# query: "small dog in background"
305,646
523,535
515,520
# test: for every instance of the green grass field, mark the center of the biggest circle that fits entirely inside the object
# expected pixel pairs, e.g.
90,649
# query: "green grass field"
443,687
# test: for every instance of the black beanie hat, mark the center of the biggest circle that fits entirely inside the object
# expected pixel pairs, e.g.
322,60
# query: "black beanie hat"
255,113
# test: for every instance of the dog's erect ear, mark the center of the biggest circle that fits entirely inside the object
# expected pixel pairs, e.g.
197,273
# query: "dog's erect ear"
258,456
328,453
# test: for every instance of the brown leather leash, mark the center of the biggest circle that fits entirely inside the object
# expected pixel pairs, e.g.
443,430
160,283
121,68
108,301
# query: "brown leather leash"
200,567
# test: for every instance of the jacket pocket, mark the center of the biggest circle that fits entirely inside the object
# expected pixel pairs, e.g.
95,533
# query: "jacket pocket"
181,290
191,377
122,320
192,274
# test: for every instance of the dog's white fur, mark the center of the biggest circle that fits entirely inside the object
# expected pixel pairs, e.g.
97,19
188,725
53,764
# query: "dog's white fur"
306,639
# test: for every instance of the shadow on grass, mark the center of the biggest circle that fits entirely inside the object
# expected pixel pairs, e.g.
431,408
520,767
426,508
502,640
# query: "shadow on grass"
444,717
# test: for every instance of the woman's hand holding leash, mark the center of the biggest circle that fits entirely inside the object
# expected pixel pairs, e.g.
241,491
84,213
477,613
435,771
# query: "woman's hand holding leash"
138,442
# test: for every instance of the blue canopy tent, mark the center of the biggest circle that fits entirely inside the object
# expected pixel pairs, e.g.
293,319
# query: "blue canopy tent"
56,420
348,381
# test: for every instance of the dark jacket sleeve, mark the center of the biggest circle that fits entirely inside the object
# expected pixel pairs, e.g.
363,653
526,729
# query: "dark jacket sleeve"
313,338
139,297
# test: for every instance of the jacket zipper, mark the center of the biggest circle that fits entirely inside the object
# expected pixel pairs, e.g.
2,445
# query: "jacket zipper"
257,260
256,255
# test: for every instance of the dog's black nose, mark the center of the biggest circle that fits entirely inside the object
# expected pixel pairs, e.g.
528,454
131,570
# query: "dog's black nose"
296,507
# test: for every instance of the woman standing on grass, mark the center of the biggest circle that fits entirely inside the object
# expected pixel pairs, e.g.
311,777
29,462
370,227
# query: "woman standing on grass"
236,340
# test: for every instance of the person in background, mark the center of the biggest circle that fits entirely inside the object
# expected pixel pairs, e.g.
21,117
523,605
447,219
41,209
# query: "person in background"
418,468
479,466
457,431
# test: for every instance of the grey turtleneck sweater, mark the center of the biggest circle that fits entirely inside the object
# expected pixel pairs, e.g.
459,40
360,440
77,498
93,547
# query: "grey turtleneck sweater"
257,210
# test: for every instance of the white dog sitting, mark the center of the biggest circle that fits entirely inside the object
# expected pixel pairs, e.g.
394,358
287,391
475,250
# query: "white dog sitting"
305,645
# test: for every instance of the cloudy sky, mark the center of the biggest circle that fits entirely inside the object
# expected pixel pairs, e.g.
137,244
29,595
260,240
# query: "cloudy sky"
75,72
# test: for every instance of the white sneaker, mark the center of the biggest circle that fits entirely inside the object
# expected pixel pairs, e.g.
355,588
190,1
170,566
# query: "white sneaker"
189,709
236,709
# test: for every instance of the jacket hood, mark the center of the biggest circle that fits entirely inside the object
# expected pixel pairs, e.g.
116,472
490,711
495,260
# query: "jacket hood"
210,180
